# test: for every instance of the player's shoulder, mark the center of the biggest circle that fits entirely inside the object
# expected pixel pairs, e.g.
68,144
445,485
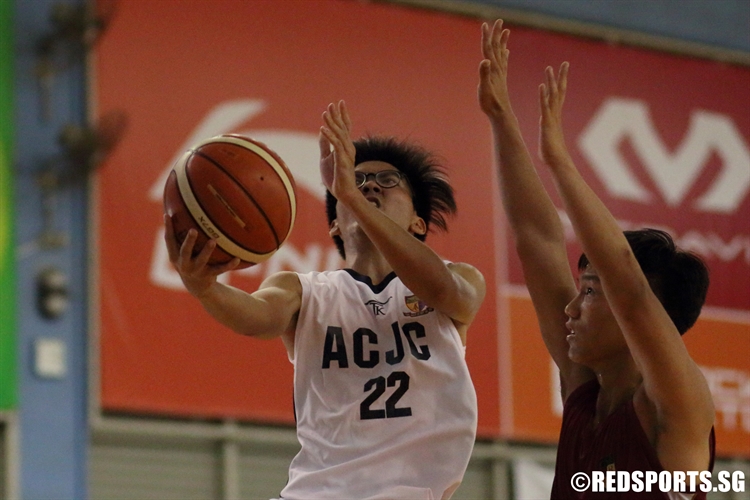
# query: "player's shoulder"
325,275
329,278
462,267
468,272
285,280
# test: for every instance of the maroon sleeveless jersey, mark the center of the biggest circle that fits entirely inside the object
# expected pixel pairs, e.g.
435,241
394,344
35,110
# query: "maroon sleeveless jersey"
619,444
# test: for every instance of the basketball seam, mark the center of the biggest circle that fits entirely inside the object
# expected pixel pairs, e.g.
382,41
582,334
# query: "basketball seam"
273,161
239,184
182,177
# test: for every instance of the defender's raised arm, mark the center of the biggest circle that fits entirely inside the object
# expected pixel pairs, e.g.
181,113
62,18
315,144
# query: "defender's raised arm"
534,220
672,381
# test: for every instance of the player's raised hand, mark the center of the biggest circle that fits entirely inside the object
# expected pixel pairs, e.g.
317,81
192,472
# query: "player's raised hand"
196,274
326,161
493,70
552,147
335,132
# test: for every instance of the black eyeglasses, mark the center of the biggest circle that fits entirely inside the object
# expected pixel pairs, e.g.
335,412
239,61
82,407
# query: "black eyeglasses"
385,178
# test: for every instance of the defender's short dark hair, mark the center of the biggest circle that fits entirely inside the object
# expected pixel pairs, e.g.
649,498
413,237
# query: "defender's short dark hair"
678,278
432,195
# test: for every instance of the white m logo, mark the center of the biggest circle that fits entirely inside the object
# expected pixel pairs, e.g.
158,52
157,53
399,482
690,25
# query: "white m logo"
673,174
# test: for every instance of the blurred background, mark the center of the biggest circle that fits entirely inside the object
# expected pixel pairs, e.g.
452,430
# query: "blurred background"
115,384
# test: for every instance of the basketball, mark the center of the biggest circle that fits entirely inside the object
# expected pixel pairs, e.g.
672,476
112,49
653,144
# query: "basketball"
235,190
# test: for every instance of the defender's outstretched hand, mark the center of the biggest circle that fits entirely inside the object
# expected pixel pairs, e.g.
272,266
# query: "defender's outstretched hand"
195,272
493,70
552,147
337,167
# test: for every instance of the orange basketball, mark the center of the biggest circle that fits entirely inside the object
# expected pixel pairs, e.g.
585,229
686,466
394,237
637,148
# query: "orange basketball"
235,190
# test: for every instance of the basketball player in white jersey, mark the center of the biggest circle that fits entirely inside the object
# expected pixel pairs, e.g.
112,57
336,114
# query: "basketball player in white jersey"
384,403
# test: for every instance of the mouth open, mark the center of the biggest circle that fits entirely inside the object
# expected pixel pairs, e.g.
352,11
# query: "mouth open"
374,201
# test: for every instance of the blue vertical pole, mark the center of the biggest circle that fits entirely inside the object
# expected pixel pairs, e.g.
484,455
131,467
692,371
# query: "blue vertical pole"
52,361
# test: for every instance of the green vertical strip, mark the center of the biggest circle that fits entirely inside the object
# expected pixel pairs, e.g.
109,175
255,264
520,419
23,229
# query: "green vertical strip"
7,260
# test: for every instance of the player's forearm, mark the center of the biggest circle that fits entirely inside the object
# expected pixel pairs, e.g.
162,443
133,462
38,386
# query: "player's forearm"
238,311
417,265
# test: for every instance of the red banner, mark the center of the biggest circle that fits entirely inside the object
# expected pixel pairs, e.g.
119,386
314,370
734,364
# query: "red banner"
663,140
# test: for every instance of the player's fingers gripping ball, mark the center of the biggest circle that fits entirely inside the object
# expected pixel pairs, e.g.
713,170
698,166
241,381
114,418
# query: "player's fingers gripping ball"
236,191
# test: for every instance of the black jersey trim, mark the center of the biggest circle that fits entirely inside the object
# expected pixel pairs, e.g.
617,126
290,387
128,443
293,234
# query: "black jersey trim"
368,281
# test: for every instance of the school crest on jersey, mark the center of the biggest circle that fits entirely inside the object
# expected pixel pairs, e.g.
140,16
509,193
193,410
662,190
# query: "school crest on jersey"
416,307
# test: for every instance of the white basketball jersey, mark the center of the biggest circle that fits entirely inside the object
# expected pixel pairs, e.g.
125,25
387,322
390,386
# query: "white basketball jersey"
384,402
